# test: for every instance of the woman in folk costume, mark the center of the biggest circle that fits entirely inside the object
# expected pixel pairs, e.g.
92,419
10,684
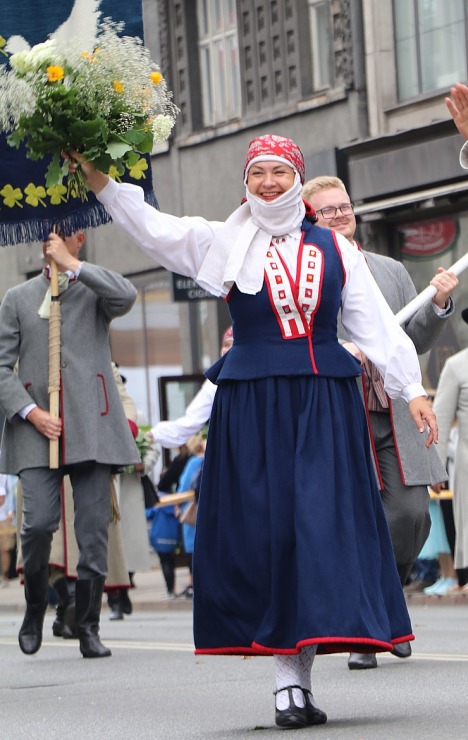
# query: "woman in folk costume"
288,471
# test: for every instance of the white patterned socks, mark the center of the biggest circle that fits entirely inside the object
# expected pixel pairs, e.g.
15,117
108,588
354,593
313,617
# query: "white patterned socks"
306,660
288,673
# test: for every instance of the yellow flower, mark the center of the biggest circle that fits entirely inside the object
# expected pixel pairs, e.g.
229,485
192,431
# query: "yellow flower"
36,194
114,173
55,73
156,77
11,196
56,194
87,55
137,171
118,87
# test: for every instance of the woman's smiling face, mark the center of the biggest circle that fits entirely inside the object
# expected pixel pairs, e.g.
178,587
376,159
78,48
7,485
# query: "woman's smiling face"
269,180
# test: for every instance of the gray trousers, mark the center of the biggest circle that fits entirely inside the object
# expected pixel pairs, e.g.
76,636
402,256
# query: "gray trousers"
406,507
41,489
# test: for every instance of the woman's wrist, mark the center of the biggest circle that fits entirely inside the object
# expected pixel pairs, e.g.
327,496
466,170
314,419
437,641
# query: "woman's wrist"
95,179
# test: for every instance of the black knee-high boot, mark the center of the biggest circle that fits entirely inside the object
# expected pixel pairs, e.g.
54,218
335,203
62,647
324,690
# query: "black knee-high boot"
36,587
65,624
88,611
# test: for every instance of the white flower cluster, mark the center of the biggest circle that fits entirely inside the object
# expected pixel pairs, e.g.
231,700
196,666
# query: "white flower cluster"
17,98
32,59
162,127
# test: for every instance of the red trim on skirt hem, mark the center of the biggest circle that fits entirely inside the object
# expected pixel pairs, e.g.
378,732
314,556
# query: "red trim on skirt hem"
325,645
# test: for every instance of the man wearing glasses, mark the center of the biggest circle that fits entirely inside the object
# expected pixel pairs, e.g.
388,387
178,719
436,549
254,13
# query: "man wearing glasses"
405,467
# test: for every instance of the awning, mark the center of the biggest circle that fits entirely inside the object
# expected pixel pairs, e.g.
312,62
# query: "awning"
408,198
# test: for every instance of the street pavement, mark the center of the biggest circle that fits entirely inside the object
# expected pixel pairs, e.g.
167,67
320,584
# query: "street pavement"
154,687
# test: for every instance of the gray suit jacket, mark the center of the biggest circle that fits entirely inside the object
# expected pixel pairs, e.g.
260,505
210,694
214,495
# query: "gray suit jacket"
419,465
94,423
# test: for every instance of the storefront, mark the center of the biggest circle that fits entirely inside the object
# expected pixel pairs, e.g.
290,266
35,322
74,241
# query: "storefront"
411,203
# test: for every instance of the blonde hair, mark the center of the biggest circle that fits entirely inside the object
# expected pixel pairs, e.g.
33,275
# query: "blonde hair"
196,444
323,182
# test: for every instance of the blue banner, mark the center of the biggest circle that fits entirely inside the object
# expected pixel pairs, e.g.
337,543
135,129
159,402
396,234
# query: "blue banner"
27,211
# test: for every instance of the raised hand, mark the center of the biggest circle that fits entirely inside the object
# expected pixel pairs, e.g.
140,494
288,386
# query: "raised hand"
457,104
95,179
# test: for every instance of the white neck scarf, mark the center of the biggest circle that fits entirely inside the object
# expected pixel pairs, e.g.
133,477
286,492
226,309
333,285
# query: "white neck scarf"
237,254
63,281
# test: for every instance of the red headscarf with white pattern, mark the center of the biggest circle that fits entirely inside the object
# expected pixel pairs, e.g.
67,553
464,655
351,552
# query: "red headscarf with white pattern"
273,147
237,254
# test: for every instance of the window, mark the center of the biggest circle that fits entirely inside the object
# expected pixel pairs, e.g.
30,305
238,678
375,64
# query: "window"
430,44
321,41
219,61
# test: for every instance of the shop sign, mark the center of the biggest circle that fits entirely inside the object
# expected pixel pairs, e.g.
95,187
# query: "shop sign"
186,289
428,238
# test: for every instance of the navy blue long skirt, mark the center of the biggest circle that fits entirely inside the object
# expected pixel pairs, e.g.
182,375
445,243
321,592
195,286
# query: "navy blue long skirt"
292,546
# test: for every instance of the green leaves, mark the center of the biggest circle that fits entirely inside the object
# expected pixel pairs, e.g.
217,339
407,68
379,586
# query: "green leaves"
82,132
54,173
142,140
117,149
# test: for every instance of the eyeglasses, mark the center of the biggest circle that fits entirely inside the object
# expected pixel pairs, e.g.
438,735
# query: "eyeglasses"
330,212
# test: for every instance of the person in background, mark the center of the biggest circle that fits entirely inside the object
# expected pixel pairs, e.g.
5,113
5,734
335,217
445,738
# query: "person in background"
187,481
446,505
131,505
405,467
169,478
425,573
165,535
451,402
171,434
164,538
178,431
437,546
93,432
7,524
287,447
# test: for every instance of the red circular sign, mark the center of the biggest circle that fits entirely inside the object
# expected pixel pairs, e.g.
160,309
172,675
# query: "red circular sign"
426,238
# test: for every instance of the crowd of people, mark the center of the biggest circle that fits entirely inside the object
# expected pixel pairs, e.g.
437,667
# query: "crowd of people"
320,429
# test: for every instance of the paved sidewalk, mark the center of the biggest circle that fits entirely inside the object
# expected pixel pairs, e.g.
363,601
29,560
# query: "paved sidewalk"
149,591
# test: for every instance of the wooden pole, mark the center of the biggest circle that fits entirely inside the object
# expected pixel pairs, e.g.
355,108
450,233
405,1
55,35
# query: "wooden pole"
169,499
54,361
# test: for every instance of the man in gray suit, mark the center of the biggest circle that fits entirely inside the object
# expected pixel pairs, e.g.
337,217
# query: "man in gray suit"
404,465
93,431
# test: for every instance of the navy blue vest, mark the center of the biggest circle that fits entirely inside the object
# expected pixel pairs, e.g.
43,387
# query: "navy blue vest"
265,345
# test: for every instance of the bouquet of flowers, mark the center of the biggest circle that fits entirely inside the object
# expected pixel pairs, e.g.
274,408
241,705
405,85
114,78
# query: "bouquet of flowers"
143,442
110,103
144,445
